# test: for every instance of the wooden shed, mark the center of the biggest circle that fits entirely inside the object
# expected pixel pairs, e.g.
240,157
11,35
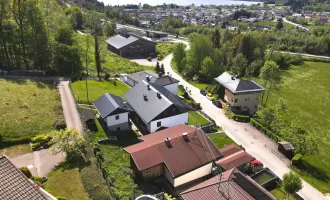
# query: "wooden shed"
286,148
89,119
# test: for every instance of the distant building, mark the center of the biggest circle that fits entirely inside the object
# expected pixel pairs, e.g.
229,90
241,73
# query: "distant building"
157,35
114,112
131,8
155,107
170,83
180,155
131,45
240,95
232,184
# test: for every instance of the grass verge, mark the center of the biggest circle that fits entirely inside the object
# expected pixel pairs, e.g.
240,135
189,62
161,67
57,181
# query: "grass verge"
220,139
97,88
17,150
194,116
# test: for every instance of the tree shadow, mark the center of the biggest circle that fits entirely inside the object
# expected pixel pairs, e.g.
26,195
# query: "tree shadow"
42,84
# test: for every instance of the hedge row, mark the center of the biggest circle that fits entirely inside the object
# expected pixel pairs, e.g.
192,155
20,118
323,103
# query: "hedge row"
42,140
264,130
241,118
314,59
59,122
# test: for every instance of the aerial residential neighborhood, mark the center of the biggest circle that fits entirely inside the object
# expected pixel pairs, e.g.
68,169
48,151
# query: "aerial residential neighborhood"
164,100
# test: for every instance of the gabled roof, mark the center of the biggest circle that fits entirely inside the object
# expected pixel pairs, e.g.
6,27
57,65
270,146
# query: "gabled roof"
14,185
287,145
232,185
235,160
152,77
149,109
182,156
119,41
87,115
236,85
109,104
230,149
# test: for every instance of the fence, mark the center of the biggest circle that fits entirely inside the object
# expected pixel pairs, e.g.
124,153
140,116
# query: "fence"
207,128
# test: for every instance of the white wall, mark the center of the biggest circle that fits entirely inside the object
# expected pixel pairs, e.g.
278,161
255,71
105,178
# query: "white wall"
168,176
173,88
169,121
193,175
123,118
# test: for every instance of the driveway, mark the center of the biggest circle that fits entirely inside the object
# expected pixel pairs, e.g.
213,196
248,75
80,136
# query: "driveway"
254,142
42,162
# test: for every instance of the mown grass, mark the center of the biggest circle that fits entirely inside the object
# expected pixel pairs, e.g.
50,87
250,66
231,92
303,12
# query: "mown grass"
27,108
164,49
17,150
306,93
110,62
194,117
220,139
97,88
280,194
65,181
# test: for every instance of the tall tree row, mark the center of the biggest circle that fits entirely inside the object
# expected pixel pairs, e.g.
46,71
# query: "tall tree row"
28,31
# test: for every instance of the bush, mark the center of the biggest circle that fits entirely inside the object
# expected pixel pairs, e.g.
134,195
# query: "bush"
266,131
106,76
42,140
25,171
37,179
149,59
59,123
241,118
296,158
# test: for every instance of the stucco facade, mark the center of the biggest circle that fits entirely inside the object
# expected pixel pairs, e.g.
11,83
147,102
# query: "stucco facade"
118,122
168,122
243,101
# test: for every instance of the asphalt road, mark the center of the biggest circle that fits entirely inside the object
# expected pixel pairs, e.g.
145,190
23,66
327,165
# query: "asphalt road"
254,142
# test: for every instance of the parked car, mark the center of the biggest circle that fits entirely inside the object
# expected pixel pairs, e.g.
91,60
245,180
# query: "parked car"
210,96
203,92
217,103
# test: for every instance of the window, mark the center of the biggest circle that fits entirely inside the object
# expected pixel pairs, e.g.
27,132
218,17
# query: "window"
118,128
256,106
159,124
247,99
117,117
147,170
245,107
236,100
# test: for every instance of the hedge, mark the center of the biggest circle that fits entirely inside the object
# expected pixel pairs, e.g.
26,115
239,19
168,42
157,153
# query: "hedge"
42,140
265,131
241,118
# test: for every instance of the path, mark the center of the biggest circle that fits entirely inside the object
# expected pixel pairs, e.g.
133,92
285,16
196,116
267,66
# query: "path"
295,24
42,162
255,143
305,54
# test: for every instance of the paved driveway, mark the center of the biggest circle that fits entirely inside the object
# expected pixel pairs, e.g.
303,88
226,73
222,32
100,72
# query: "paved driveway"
255,143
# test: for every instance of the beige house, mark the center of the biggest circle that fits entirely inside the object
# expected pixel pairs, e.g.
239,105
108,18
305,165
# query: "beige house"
241,95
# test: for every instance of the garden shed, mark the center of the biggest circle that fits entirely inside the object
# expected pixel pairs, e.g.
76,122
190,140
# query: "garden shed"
286,148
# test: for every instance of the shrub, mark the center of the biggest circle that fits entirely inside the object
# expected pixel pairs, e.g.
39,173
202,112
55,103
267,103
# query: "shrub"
42,140
149,58
59,123
37,179
60,198
106,76
265,131
296,158
25,171
241,118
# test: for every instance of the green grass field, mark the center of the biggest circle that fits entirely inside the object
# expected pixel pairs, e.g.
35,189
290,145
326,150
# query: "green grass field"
17,150
97,88
220,139
110,62
27,108
194,117
306,93
164,49
66,182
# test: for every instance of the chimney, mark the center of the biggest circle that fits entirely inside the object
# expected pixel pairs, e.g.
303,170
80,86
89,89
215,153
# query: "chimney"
158,95
168,142
148,87
185,136
147,78
145,97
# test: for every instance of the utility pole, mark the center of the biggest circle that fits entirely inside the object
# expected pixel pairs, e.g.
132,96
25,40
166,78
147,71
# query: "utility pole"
86,65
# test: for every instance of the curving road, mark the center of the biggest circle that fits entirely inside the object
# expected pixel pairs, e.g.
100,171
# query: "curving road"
255,143
295,24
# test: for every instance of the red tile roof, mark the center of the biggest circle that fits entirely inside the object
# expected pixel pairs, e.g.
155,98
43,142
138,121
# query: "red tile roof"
233,185
235,160
230,149
182,156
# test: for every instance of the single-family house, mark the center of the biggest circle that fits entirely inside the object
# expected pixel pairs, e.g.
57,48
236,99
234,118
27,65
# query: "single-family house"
231,184
166,81
15,185
181,155
234,156
131,45
114,112
240,95
155,107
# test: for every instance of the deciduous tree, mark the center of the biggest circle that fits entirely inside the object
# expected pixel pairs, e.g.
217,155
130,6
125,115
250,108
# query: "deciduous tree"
291,183
270,75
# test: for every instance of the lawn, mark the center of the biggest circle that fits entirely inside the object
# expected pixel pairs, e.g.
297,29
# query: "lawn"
97,88
164,49
306,93
110,62
280,194
194,116
27,108
220,139
17,150
65,181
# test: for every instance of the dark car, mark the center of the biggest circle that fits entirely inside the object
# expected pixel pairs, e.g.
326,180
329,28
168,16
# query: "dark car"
217,103
203,92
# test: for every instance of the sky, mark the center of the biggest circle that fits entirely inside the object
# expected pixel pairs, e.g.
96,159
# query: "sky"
178,2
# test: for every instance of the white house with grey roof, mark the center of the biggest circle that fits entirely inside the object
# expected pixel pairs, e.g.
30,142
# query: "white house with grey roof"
241,95
114,112
155,107
166,81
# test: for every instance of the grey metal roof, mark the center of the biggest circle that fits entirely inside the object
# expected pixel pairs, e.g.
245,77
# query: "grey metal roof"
87,114
236,85
286,145
153,106
119,41
153,77
107,104
157,32
14,185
